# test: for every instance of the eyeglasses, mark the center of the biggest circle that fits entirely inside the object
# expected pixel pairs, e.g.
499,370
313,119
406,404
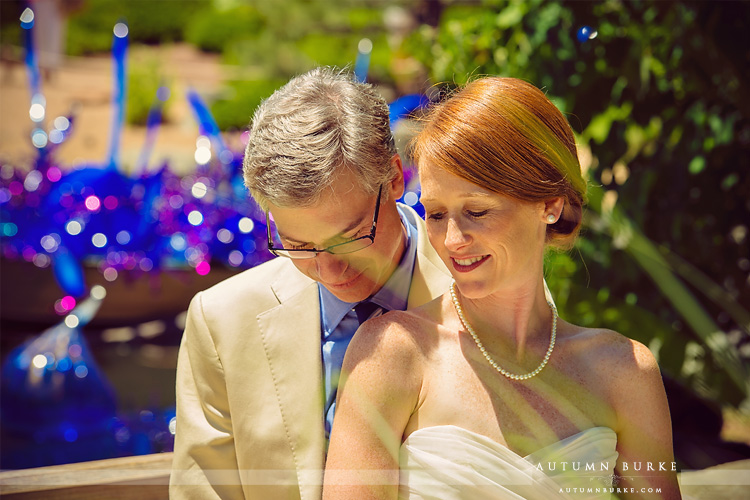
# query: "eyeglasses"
350,246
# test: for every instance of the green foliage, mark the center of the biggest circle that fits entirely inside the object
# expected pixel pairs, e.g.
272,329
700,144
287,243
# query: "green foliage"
10,27
235,108
90,29
308,33
341,50
212,30
144,81
658,101
363,19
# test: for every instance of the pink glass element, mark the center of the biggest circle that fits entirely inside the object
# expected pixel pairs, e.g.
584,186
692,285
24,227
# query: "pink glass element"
110,202
68,303
59,309
28,254
93,203
54,174
203,268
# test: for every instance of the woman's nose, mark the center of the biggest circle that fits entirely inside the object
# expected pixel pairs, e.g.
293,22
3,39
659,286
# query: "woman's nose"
455,237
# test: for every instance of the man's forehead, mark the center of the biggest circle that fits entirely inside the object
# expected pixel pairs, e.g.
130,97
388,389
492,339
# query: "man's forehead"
322,221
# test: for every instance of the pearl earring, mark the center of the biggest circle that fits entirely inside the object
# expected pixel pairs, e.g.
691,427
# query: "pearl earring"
551,218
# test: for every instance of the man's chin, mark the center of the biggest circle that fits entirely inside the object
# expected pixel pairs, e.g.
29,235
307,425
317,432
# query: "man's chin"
356,290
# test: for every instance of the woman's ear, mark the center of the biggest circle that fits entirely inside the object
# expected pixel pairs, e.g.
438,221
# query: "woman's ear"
553,208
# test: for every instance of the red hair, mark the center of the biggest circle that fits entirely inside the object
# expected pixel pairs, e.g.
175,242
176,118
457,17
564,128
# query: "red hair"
505,135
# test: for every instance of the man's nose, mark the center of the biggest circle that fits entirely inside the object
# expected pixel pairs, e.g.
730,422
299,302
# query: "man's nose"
330,267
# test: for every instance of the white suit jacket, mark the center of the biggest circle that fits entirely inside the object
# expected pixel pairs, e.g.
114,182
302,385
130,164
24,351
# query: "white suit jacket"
249,382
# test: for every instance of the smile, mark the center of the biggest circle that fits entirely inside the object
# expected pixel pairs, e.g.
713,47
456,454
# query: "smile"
469,264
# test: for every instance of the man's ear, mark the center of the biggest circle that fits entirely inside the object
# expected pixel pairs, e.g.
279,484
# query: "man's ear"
396,186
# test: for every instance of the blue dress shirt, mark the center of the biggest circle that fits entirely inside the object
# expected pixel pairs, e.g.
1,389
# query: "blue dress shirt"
339,321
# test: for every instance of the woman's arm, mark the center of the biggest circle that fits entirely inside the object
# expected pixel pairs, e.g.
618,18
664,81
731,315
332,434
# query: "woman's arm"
379,389
644,429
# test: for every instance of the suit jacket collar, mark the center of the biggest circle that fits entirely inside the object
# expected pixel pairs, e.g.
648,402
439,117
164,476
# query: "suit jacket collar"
431,278
291,339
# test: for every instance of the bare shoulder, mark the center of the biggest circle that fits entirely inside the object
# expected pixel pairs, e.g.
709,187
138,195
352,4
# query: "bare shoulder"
621,364
399,336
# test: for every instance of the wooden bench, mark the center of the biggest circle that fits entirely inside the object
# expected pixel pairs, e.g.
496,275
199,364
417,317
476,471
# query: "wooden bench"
147,478
138,478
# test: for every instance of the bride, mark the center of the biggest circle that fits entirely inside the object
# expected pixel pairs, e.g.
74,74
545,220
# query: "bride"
485,392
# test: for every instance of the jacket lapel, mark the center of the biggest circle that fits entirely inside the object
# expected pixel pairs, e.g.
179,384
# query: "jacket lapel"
431,278
291,339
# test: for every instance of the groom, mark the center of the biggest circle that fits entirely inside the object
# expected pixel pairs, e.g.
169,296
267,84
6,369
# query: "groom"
261,353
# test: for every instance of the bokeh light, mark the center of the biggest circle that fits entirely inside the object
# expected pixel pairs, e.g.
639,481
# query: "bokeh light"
225,235
121,30
32,180
55,136
54,174
36,112
203,268
365,46
72,321
98,292
93,203
123,237
61,123
68,303
39,361
586,33
110,202
39,138
73,227
99,240
178,242
163,93
27,18
246,225
199,190
110,273
41,260
50,242
235,258
411,198
195,218
75,350
202,155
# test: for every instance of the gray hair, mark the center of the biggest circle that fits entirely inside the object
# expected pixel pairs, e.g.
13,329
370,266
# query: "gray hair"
311,128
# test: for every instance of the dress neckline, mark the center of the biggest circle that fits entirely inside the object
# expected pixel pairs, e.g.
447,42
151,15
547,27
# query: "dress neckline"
501,448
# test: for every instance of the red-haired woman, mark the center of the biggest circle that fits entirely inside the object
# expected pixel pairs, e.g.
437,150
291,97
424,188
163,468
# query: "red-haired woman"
485,392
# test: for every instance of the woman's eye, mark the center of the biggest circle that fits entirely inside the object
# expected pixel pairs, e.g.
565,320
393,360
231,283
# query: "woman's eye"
435,216
480,213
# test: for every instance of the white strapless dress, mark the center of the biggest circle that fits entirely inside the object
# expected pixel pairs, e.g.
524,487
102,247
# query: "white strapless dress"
451,463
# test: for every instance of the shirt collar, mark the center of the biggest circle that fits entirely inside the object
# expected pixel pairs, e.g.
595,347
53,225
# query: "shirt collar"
392,296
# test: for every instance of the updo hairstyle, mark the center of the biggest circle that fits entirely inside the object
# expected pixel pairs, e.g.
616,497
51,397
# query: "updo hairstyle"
505,135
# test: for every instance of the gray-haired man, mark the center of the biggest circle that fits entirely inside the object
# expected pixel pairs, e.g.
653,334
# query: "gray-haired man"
261,353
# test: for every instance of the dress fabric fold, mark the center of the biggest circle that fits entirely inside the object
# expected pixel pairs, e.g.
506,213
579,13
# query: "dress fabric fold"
451,463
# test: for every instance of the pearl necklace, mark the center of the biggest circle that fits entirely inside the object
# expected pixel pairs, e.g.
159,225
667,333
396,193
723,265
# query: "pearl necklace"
487,356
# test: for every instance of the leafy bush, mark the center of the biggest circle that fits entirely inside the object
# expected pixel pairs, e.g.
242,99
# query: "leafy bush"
212,30
235,108
144,80
90,29
659,101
